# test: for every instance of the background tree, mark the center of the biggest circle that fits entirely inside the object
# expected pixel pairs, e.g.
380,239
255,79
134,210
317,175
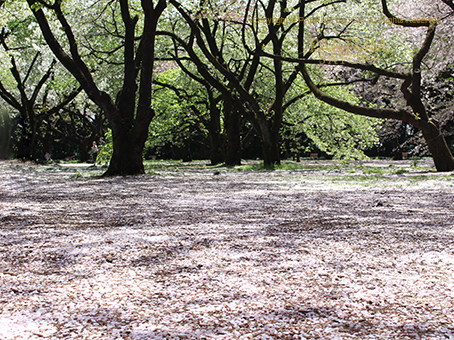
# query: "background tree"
34,87
237,75
179,114
76,126
228,50
340,134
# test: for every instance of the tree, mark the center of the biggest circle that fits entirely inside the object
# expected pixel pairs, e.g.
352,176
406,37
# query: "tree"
221,98
331,130
130,114
30,87
230,54
76,126
410,89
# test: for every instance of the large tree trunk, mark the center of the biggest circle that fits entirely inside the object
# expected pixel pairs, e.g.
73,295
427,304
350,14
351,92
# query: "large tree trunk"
129,116
441,154
127,156
271,150
217,141
217,154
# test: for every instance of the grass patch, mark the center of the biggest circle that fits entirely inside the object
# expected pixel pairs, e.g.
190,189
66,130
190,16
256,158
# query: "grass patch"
419,178
374,170
401,171
363,173
287,165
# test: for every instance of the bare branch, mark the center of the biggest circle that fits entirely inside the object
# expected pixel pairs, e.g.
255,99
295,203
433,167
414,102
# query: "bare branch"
365,67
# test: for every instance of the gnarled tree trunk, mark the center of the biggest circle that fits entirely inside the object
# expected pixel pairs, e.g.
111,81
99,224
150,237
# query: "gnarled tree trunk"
441,154
127,155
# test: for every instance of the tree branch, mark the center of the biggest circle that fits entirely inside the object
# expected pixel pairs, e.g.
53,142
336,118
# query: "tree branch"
402,115
41,82
9,98
365,67
450,3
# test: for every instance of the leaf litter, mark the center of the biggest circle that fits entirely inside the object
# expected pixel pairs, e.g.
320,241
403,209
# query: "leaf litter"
236,255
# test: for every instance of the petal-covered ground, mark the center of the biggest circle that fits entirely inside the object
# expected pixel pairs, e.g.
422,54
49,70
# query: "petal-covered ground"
324,252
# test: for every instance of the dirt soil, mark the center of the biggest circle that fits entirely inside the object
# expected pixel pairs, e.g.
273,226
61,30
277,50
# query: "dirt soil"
193,252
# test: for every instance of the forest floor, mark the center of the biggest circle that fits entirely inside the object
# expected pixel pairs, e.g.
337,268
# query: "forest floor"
320,250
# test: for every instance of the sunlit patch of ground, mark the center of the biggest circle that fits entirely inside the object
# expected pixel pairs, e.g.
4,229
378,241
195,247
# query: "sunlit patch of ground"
318,251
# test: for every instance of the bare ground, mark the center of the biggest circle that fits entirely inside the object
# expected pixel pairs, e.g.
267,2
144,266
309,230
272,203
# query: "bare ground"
189,252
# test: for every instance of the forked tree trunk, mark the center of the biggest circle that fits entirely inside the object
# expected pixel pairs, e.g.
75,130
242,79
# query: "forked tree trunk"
129,116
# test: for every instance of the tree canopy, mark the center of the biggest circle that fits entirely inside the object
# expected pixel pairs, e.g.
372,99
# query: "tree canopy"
228,75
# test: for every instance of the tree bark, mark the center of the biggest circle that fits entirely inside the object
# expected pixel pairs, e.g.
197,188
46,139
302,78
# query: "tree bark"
5,134
127,155
217,154
217,141
441,154
270,146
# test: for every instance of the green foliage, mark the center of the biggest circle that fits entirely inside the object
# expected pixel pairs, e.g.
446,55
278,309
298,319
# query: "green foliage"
106,150
175,120
336,132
